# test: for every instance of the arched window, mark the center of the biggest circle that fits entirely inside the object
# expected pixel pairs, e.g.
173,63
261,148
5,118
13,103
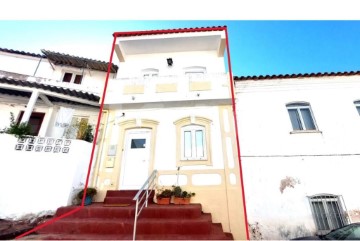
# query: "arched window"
193,141
301,116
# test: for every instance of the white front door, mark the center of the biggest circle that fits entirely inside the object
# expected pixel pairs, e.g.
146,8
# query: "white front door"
135,164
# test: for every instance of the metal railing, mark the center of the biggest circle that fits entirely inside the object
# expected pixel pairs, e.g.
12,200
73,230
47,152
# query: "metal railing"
142,197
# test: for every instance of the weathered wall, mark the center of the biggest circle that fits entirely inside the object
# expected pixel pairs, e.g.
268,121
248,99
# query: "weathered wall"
34,181
299,164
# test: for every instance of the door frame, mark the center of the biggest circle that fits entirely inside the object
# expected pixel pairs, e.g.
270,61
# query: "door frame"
134,124
128,136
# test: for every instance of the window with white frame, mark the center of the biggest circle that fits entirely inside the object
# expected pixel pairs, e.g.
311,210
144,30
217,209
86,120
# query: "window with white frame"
195,72
69,77
150,73
301,117
357,105
193,143
328,211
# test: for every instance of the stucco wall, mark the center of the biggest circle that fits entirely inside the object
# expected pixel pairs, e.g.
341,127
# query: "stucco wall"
320,162
135,63
166,133
32,181
92,80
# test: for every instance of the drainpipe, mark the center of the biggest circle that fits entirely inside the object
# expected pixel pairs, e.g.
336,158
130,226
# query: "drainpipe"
30,106
37,67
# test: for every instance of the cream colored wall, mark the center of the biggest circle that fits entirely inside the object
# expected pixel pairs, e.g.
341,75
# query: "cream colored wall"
223,200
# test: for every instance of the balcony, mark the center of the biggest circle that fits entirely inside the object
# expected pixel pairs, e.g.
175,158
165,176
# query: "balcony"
168,89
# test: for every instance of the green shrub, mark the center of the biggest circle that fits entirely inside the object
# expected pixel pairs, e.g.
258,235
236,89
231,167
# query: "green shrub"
20,130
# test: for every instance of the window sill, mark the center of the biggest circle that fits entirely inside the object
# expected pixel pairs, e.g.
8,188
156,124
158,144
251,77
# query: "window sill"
194,162
305,131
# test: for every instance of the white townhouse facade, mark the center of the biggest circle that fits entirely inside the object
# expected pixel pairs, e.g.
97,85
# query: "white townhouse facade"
170,110
299,140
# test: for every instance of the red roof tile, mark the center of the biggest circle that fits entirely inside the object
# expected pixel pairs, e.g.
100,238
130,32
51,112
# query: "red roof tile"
168,31
11,51
293,76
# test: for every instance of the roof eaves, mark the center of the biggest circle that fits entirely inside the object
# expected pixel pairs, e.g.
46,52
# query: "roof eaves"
12,51
294,76
168,31
80,62
55,89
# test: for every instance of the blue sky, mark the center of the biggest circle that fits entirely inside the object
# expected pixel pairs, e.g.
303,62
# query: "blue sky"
256,47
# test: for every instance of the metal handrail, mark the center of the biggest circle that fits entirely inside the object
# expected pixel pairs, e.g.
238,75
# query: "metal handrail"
142,196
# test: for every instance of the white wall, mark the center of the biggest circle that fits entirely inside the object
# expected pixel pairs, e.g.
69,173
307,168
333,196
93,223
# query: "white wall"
93,80
314,160
32,181
26,65
135,63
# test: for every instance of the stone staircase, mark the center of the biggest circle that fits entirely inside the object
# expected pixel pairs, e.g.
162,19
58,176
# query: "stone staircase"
114,220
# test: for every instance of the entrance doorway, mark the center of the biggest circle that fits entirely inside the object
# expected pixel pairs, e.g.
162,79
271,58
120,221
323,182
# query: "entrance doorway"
135,164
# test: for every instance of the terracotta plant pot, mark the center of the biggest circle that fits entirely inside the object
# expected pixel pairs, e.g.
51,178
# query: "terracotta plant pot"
163,200
182,200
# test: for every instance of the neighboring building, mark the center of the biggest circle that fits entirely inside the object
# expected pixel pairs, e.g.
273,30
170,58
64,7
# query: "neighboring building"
170,107
299,140
34,87
58,95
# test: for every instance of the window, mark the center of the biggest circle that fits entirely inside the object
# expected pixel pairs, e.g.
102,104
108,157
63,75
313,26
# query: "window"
357,105
138,143
35,122
150,73
77,128
193,141
72,78
195,72
301,117
328,211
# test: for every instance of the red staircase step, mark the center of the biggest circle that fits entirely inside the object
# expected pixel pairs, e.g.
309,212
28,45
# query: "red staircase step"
125,226
121,193
119,200
98,210
156,222
122,196
125,237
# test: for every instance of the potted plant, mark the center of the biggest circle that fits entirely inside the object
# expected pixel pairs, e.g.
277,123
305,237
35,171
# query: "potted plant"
90,193
163,196
180,196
